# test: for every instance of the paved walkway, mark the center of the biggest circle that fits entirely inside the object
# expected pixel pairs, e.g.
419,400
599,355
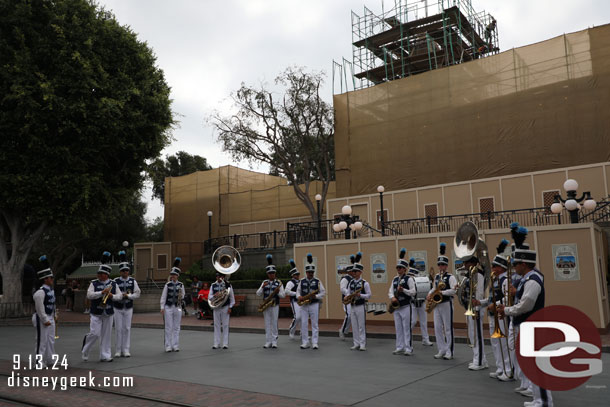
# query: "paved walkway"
247,374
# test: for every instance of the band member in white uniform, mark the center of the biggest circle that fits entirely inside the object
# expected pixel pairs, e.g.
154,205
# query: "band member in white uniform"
443,312
123,307
171,308
529,299
291,291
267,289
499,265
475,324
362,292
222,313
418,311
400,293
44,317
101,314
348,276
311,309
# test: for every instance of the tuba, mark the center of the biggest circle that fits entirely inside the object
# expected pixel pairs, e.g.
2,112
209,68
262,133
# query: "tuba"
467,243
226,260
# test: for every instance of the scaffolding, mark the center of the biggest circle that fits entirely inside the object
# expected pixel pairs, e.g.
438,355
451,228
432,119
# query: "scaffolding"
413,37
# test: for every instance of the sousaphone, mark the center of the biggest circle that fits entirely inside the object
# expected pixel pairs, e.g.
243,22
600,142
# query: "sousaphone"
226,260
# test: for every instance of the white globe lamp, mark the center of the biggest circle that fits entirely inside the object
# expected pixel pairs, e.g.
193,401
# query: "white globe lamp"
346,210
556,208
590,204
570,185
571,204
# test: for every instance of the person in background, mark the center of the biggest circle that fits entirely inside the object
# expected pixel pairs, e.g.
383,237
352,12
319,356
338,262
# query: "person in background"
195,288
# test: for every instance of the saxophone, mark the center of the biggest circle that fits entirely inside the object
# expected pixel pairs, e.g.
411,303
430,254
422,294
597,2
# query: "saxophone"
307,298
271,299
436,296
351,297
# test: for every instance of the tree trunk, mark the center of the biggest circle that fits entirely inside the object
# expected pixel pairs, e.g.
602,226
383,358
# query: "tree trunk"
22,240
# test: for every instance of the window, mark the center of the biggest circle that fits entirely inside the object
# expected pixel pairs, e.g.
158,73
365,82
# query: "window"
486,205
548,197
385,218
431,210
161,261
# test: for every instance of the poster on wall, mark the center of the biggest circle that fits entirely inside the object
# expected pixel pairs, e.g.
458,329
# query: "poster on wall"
565,262
379,272
421,261
341,262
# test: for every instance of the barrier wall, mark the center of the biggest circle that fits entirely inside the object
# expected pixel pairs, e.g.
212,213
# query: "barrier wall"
588,292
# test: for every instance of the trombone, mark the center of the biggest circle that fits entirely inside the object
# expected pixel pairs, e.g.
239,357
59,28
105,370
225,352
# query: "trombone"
56,320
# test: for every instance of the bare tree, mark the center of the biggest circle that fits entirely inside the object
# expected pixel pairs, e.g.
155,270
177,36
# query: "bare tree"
292,133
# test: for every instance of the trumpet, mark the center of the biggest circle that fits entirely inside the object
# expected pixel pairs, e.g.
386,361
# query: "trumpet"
105,297
271,299
307,298
351,297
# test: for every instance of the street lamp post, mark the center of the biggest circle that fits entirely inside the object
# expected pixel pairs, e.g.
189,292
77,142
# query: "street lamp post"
125,247
318,200
572,204
210,213
347,222
380,189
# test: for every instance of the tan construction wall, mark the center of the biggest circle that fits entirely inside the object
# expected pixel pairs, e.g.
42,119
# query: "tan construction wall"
589,294
528,109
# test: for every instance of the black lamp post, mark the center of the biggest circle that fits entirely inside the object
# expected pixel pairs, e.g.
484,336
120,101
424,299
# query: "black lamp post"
210,213
318,199
380,189
347,222
572,204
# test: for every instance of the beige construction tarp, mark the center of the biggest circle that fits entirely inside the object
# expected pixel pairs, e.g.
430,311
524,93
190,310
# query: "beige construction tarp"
538,107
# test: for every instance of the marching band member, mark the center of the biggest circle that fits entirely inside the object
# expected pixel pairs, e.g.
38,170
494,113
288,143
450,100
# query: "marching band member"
443,312
291,291
222,313
124,307
171,308
400,293
348,276
419,309
475,324
44,317
499,266
529,299
268,288
101,293
361,291
311,309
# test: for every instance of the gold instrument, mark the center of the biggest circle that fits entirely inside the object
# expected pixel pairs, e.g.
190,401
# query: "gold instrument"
226,260
56,320
436,296
351,297
270,300
105,297
497,333
307,298
393,306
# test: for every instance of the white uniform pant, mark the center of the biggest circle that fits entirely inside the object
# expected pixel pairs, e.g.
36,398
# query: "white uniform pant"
172,317
443,327
402,323
296,318
100,327
358,316
419,313
45,339
513,332
122,326
221,326
500,348
310,311
347,308
270,315
475,332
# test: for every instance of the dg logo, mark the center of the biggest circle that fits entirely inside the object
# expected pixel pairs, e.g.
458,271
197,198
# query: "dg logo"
559,348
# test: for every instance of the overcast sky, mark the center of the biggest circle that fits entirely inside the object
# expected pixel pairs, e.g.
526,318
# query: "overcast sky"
208,47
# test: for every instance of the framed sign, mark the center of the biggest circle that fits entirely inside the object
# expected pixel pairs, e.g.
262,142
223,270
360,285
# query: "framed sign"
565,262
379,269
341,262
421,261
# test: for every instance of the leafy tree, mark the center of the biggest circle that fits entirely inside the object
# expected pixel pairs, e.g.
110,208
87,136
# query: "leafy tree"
292,133
154,230
83,107
181,163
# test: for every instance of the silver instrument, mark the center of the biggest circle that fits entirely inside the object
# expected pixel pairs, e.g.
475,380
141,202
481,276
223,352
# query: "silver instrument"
467,243
422,286
226,260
